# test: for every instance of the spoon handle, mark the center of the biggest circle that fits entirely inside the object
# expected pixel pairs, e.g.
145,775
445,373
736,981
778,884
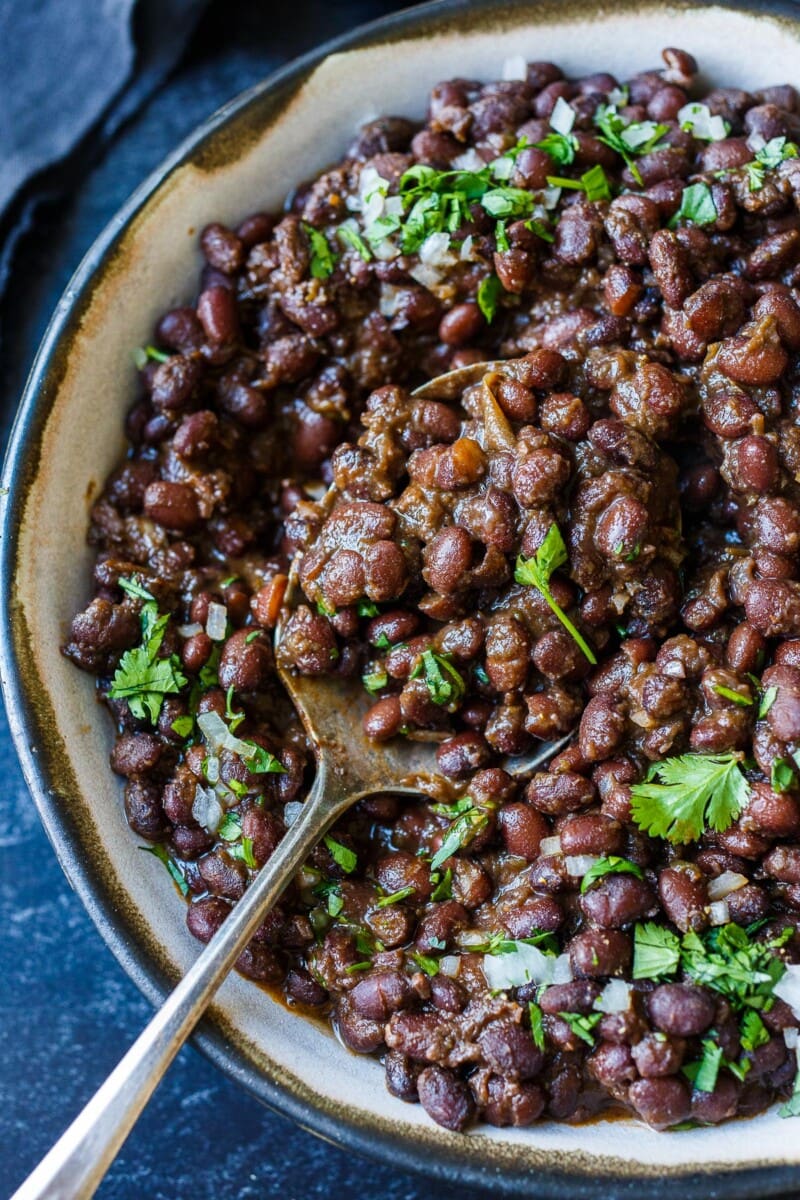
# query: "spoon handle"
75,1166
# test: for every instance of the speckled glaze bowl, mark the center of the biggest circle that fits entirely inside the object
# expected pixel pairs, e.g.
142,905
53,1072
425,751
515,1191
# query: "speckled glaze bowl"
68,435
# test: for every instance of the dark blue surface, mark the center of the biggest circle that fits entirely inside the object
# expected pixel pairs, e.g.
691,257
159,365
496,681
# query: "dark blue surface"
67,1011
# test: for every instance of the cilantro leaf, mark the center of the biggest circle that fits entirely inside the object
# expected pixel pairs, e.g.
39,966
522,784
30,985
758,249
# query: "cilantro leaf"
396,897
445,686
754,1032
489,292
343,856
726,960
697,205
142,355
536,572
696,792
562,147
444,885
703,1074
134,587
183,726
609,866
626,138
323,259
143,679
593,182
535,1016
159,851
729,694
429,965
463,830
767,701
582,1026
348,233
782,775
656,951
375,681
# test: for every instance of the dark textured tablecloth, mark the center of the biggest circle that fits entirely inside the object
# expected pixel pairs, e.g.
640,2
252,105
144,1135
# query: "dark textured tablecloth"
67,1011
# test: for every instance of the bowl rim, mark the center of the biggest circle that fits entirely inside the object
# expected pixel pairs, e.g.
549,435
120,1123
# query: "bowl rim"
18,473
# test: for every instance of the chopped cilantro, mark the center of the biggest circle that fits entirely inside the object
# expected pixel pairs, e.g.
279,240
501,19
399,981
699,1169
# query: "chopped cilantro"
234,719
462,831
251,637
375,681
792,1106
536,572
535,1016
753,1031
396,897
627,139
445,686
656,951
697,205
323,259
582,1026
703,1074
343,856
142,678
160,852
489,292
142,355
444,885
367,608
767,701
609,866
696,792
562,147
782,776
183,726
134,587
727,961
593,182
244,850
348,233
729,694
429,965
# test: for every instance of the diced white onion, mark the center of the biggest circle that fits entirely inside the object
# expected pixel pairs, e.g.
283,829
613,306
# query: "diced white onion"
562,969
618,97
471,937
187,631
466,249
788,988
389,301
719,913
435,250
551,197
450,965
217,621
470,160
724,884
211,769
206,809
550,845
523,964
578,864
503,167
790,1038
756,141
700,121
615,997
385,250
219,737
291,812
427,276
562,118
515,68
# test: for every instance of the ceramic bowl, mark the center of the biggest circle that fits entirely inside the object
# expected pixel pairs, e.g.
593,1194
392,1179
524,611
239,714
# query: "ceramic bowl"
68,435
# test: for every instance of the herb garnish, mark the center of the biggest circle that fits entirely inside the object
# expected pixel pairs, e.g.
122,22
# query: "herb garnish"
782,775
696,792
396,897
769,156
697,205
609,866
536,1018
582,1026
159,851
142,355
593,182
767,701
656,951
536,572
627,139
429,965
729,694
703,1074
464,829
375,681
444,885
445,686
489,293
142,678
343,856
323,259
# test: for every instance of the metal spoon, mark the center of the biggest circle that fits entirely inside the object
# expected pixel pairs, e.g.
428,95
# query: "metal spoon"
349,767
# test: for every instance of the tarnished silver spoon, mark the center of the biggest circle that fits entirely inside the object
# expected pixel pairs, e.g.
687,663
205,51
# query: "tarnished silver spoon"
349,768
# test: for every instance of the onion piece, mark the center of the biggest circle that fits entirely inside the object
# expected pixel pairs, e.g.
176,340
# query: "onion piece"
562,969
211,768
450,965
217,621
206,809
724,884
615,997
788,988
790,1037
550,845
524,964
471,937
435,250
719,913
562,118
426,275
470,160
578,864
187,631
219,737
515,68
291,811
390,299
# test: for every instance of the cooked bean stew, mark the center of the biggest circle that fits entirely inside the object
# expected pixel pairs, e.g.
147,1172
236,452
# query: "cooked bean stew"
598,538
